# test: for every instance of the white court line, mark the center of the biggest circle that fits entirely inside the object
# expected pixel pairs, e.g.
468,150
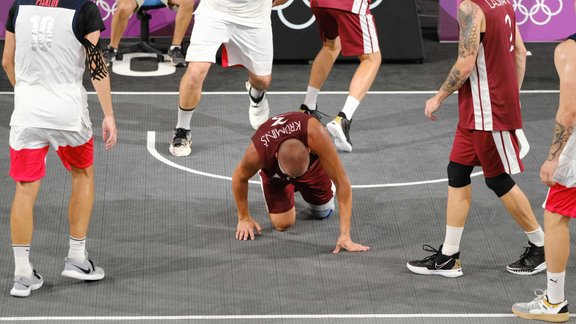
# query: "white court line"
173,93
151,146
252,317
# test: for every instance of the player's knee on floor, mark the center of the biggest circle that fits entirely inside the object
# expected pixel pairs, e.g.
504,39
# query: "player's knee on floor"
459,174
322,211
282,226
500,184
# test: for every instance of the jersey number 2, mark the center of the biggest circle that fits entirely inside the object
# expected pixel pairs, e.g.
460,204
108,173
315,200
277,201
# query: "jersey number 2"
508,21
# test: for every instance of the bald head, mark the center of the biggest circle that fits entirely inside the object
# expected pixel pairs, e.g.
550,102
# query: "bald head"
294,157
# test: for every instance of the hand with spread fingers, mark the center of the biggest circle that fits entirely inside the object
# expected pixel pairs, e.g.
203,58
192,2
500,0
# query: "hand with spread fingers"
345,242
245,229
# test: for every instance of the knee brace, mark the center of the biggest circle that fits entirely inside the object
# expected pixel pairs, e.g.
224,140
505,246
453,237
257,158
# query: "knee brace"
459,174
322,211
500,184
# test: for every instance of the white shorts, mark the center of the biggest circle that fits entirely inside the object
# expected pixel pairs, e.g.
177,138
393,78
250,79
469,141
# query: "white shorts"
35,138
250,47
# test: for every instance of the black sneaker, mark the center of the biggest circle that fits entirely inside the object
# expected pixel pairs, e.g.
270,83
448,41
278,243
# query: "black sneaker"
531,261
437,264
177,56
181,144
314,113
339,128
109,55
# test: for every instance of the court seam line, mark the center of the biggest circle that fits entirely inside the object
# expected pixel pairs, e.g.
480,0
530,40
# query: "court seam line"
172,93
254,317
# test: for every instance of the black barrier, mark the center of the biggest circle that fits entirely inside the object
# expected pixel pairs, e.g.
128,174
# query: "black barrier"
296,35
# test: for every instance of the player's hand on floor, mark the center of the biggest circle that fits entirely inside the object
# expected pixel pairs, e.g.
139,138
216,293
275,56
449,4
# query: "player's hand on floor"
345,242
245,229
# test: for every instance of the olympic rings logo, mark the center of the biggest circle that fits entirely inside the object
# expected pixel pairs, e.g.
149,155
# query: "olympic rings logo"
289,24
105,6
539,14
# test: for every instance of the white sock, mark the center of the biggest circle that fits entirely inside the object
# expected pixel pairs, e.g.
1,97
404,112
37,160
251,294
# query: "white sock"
350,107
184,118
452,240
22,261
174,46
311,97
256,93
536,237
555,287
77,249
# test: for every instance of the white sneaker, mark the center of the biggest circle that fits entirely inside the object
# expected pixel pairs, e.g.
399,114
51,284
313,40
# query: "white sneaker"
82,271
339,128
24,285
259,111
541,309
181,144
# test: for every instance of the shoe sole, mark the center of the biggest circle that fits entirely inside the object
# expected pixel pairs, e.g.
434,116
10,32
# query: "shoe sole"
338,134
179,152
554,318
82,276
519,272
25,293
443,273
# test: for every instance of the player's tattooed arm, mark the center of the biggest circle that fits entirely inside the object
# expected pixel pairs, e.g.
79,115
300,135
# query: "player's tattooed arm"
95,60
469,19
561,136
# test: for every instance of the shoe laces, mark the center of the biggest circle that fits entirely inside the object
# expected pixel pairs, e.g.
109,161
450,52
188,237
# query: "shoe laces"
429,248
527,252
180,135
540,296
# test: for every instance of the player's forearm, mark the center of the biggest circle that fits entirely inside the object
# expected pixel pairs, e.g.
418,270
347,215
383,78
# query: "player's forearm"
9,69
240,191
562,133
102,88
455,79
344,194
520,65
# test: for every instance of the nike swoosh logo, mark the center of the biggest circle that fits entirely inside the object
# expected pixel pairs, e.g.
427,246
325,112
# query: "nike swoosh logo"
438,266
86,271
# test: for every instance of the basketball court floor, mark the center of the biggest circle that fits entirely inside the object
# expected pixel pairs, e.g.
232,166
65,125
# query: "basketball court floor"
163,227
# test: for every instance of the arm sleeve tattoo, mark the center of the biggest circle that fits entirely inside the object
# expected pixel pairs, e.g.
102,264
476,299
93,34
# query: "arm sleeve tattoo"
467,45
95,61
561,136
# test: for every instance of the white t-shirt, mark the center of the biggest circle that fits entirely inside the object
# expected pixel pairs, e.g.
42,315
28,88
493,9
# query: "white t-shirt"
566,172
49,67
252,13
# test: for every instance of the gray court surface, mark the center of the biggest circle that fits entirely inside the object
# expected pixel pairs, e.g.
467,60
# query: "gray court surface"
163,227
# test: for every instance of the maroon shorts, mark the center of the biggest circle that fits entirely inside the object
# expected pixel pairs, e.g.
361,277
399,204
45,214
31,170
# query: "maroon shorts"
496,151
357,31
315,187
561,200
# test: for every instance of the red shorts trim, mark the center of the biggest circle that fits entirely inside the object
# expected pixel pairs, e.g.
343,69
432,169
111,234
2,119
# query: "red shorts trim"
357,33
561,200
27,165
497,151
315,187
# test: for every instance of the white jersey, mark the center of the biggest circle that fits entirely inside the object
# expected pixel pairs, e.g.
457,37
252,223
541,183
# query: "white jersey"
252,13
49,64
566,172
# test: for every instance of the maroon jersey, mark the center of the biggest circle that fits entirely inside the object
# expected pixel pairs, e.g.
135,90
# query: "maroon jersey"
276,130
489,99
354,6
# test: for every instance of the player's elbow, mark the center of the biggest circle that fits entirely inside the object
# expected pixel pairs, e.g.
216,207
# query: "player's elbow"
7,63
